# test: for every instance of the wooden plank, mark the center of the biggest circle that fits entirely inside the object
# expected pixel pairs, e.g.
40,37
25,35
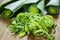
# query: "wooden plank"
57,21
5,34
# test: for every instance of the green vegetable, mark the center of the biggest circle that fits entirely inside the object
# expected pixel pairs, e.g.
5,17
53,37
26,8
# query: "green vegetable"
39,33
13,7
50,17
50,22
7,13
50,37
53,2
33,9
40,6
20,16
52,7
52,10
33,24
44,33
3,5
29,21
13,29
27,29
21,34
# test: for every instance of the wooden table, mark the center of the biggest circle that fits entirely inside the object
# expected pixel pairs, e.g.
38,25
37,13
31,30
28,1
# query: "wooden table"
5,34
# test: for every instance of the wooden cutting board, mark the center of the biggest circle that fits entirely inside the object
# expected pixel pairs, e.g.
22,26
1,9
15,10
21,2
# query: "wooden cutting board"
5,34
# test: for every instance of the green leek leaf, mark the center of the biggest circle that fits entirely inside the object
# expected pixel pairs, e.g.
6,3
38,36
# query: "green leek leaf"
41,6
53,2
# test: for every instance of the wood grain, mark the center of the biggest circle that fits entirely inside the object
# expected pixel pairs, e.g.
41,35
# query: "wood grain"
5,33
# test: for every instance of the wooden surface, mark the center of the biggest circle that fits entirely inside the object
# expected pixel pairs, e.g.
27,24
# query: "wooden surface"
5,34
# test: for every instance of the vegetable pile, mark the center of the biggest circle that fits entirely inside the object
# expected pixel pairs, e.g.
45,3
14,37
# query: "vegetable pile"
28,17
32,24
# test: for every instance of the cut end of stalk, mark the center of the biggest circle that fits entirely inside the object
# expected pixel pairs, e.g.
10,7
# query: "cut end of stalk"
52,10
7,13
33,9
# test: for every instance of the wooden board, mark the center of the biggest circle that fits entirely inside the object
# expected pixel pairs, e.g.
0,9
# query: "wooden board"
5,34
